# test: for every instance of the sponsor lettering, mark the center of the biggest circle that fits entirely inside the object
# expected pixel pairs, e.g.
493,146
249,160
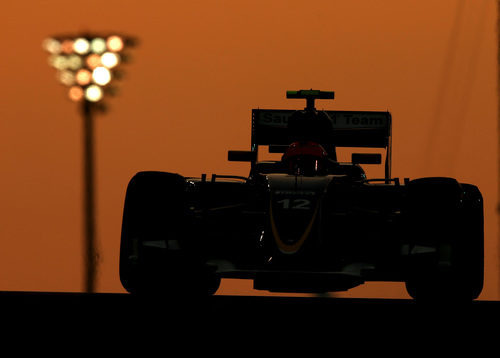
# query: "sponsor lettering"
274,118
339,119
348,120
298,192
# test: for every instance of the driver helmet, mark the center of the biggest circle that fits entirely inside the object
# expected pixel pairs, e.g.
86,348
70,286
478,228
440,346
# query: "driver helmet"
305,158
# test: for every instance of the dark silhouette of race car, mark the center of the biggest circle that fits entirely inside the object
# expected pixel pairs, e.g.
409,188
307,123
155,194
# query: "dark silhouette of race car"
306,222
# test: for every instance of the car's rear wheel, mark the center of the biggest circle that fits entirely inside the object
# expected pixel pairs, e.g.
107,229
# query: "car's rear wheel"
445,223
154,257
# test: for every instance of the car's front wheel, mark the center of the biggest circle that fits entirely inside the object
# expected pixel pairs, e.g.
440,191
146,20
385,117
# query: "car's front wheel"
445,226
154,257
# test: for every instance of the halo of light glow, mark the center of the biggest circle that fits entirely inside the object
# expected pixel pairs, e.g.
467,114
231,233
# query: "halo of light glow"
98,45
74,62
114,43
101,76
75,93
83,77
67,46
52,46
81,46
58,62
110,59
93,61
67,77
93,93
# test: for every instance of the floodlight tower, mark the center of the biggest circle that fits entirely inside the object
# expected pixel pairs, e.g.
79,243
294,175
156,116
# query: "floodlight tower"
87,65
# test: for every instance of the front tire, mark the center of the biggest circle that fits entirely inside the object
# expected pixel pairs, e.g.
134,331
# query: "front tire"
448,217
154,255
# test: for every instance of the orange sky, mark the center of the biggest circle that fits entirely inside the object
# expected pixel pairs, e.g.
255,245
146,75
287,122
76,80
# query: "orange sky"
186,99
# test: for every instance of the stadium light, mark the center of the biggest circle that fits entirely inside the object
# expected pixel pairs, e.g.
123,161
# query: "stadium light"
87,65
86,61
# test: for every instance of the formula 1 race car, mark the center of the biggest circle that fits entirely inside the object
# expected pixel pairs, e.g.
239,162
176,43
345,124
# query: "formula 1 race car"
305,222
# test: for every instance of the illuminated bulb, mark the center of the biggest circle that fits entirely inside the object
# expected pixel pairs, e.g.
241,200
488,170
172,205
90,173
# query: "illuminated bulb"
115,43
101,76
81,46
66,78
98,45
93,93
75,93
52,45
67,46
93,61
110,59
83,77
58,61
74,62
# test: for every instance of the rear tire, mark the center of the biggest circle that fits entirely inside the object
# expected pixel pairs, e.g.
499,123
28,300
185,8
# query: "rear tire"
154,257
448,216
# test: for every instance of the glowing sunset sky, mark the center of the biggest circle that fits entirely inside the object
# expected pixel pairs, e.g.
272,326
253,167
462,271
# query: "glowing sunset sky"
187,95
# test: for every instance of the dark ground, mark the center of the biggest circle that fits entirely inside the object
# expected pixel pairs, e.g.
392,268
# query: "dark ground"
245,326
120,310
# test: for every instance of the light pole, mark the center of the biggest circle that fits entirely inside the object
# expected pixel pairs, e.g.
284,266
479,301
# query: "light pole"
87,64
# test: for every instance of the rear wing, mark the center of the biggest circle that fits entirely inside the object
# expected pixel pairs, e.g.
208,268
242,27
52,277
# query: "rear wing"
351,129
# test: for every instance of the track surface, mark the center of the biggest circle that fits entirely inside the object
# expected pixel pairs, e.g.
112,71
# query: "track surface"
126,307
245,326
